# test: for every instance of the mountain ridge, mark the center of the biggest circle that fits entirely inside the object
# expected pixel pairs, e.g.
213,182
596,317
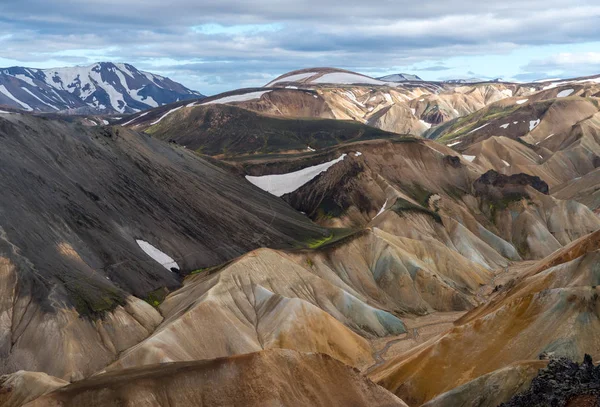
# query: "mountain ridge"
102,87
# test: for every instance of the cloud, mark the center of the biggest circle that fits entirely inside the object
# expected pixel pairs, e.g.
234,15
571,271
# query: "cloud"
435,68
565,64
214,45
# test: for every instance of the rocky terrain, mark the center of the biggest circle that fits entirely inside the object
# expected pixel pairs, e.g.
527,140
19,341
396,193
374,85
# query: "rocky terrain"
562,383
312,242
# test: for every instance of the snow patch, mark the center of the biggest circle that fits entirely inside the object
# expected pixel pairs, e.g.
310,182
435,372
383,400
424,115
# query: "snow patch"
565,93
238,98
506,163
382,209
478,128
346,78
357,154
520,102
46,103
469,158
533,124
165,115
455,143
281,184
352,97
135,118
505,126
424,123
160,257
10,96
293,78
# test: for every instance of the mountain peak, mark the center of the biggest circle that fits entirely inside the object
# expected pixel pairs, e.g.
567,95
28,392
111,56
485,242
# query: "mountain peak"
102,87
400,77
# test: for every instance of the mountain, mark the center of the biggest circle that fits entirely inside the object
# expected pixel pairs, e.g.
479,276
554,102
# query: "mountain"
104,87
102,218
315,76
271,246
400,77
267,378
328,93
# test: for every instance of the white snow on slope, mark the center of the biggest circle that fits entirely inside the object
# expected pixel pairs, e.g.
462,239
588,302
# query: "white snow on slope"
453,144
520,102
546,80
352,97
10,96
238,98
4,112
478,128
293,78
135,118
505,126
556,84
46,103
382,209
565,93
506,163
345,78
165,115
357,154
533,124
162,258
25,79
281,184
469,158
424,123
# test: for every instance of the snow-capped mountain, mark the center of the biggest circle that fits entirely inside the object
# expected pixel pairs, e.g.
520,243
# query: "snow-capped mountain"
400,77
104,87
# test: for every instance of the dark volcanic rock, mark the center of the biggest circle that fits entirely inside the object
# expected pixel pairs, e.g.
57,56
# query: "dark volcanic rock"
452,161
562,383
492,178
499,187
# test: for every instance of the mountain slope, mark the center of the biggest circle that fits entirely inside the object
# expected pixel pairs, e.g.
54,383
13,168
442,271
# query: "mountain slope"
104,87
88,217
221,129
549,308
268,378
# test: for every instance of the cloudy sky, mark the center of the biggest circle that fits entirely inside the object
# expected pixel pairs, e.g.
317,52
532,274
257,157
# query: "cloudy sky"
218,45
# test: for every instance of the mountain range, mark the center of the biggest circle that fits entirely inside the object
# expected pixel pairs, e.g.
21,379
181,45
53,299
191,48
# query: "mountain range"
101,88
326,239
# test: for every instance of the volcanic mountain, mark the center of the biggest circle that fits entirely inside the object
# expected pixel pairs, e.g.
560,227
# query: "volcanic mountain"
105,88
271,246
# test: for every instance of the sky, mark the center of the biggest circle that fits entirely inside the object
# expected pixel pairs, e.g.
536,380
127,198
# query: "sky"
217,45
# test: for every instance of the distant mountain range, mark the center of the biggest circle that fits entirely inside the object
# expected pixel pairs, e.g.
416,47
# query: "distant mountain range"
104,88
400,77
